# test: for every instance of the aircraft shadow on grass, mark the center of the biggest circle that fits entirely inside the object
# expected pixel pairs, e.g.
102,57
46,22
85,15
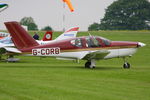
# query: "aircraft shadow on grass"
23,65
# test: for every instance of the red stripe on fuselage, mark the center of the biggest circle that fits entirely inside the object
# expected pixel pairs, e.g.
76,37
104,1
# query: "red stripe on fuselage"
66,46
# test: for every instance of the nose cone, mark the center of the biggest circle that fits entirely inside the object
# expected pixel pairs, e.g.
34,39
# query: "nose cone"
140,44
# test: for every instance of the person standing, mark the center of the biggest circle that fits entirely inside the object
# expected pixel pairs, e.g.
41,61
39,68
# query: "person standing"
36,36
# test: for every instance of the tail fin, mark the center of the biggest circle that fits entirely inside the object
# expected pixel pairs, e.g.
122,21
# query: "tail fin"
72,32
48,36
20,36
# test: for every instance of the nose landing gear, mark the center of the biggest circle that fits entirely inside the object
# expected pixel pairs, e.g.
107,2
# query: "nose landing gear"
126,65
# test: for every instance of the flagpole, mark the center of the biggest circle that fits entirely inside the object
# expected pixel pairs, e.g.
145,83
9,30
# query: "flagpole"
64,17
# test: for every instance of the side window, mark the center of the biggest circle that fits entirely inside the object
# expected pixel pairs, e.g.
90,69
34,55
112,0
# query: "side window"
88,42
106,42
95,41
77,42
92,42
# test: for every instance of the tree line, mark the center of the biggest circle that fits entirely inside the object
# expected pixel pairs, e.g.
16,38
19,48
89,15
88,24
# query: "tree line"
125,15
31,25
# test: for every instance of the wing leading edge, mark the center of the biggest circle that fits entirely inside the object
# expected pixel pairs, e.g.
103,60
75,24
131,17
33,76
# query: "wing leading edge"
96,55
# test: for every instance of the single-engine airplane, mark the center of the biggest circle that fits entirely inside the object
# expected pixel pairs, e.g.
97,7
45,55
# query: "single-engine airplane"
90,48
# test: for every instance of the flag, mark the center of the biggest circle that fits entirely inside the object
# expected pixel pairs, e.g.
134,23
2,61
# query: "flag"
69,5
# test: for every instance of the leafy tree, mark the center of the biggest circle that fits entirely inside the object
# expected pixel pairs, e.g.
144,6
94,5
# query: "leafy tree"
47,28
29,22
93,27
32,26
127,15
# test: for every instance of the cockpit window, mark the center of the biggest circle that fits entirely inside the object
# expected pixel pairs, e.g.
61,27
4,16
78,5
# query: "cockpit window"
92,42
77,42
105,41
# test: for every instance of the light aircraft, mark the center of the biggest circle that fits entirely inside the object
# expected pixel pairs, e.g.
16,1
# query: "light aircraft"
8,47
90,48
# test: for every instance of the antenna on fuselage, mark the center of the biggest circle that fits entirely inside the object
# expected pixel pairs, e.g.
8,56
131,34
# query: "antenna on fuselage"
89,33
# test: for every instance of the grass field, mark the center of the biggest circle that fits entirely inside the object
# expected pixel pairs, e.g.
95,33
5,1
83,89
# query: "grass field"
35,78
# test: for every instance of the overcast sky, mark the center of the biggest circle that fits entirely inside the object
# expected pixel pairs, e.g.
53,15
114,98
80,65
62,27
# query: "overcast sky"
50,12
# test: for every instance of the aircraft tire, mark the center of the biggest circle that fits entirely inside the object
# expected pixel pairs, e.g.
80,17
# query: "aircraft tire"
87,64
126,65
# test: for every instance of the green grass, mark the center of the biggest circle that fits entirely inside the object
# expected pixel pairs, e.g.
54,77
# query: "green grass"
35,78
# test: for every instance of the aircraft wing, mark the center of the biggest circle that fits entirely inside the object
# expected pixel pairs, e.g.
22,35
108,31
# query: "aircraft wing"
96,55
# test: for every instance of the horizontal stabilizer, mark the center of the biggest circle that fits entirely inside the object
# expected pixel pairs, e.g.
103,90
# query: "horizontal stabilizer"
5,50
13,50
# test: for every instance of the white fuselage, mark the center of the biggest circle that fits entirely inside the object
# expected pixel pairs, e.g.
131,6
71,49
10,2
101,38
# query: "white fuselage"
113,53
121,52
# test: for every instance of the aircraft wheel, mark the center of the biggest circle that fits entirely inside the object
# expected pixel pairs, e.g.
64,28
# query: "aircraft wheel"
126,65
87,64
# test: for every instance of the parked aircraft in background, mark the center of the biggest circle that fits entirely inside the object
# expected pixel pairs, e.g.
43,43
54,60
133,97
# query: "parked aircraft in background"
90,48
71,32
48,36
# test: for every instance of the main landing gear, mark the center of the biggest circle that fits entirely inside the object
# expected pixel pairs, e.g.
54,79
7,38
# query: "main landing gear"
90,64
126,65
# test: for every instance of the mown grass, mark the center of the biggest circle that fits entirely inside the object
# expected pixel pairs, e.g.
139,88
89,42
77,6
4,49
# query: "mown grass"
35,78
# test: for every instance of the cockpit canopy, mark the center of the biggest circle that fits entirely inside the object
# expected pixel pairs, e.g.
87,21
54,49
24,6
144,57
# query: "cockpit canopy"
90,41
